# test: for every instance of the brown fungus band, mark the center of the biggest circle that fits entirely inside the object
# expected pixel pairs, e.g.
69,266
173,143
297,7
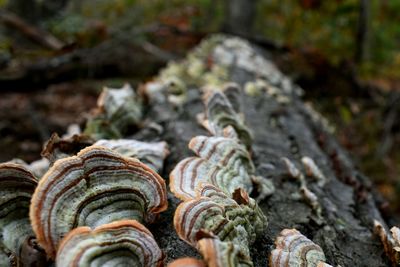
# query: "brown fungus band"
295,250
187,262
121,243
17,185
96,187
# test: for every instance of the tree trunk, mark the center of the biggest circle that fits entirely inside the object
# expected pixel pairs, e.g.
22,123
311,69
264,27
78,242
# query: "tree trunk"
362,36
240,15
282,126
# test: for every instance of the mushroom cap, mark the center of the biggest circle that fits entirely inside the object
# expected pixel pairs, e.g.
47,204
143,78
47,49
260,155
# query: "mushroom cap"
223,151
294,249
220,114
151,154
96,187
125,241
117,110
219,215
189,173
187,262
17,185
217,253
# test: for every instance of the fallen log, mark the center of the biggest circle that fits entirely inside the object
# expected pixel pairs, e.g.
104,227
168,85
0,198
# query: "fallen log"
283,126
254,136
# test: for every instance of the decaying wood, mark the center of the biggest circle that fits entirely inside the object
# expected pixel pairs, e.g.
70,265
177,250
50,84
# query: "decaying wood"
290,129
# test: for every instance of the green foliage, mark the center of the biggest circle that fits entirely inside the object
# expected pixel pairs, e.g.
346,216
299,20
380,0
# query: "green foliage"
3,3
331,28
328,27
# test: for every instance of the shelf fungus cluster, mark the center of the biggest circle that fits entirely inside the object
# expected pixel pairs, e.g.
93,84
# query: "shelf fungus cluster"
222,117
120,243
294,249
100,189
17,242
91,197
217,216
117,110
152,154
391,243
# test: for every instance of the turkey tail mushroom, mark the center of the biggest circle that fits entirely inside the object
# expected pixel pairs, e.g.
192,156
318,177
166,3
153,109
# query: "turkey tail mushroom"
117,110
17,185
96,187
220,114
217,253
125,242
294,249
219,215
187,262
151,154
191,172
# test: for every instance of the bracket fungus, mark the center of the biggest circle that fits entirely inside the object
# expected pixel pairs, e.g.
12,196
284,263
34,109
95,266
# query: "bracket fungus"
219,215
313,170
222,161
294,249
190,172
391,244
117,110
187,262
95,187
217,253
151,154
17,185
220,114
61,147
121,243
223,151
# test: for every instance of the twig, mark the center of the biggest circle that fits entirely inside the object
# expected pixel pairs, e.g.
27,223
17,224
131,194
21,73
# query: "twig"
35,34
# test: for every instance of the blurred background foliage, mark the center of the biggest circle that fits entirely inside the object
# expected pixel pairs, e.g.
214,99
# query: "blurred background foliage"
328,26
316,42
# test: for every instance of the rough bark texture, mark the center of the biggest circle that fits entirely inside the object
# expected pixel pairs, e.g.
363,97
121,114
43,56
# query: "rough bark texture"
291,130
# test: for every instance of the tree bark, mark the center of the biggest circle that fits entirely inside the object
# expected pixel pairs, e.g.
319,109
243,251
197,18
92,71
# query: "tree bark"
362,36
240,16
348,201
